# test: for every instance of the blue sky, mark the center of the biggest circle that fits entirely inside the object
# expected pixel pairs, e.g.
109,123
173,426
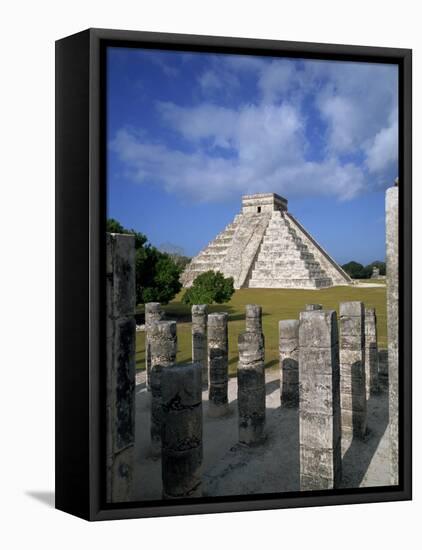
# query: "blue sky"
190,133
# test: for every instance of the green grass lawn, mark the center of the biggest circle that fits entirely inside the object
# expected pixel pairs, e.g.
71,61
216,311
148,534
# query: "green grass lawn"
276,304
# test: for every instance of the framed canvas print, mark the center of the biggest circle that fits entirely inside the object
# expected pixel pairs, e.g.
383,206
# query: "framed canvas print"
233,274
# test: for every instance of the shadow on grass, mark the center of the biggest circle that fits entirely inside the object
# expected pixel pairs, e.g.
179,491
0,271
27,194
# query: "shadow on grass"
181,313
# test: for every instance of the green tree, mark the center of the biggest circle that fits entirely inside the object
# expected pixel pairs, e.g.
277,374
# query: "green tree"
380,265
157,274
355,270
208,288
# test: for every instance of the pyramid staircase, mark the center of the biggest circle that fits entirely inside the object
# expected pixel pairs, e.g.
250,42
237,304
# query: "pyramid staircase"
284,260
212,257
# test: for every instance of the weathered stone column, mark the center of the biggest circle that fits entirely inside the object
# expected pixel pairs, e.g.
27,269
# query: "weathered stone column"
371,352
199,340
153,313
289,362
352,369
253,318
392,267
163,342
383,369
319,401
313,307
251,388
218,364
120,364
181,393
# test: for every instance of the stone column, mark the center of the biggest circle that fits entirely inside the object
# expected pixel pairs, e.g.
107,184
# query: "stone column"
153,313
181,394
120,365
392,267
371,352
352,369
163,342
251,388
313,307
199,340
218,364
289,362
383,369
319,401
254,318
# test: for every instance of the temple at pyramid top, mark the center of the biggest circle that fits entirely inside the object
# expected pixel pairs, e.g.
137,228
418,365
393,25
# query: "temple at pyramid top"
263,202
266,247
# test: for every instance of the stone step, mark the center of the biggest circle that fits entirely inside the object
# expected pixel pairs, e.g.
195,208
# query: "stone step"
289,283
280,232
213,251
223,239
200,262
275,246
289,264
274,250
219,246
285,274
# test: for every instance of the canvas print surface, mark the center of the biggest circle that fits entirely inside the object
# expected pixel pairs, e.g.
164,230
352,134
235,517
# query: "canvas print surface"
252,275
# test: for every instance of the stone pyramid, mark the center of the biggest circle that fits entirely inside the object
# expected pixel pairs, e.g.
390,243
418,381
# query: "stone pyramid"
266,247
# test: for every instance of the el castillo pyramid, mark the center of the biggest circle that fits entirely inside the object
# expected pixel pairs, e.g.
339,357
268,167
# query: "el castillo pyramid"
266,247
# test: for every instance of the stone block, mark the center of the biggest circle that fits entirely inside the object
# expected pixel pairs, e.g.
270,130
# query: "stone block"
253,318
319,401
120,366
289,362
182,430
352,369
199,340
317,329
163,345
153,314
218,366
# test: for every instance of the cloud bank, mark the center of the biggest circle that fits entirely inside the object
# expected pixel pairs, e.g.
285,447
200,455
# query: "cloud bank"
298,128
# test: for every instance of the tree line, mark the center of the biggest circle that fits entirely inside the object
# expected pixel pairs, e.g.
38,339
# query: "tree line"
358,271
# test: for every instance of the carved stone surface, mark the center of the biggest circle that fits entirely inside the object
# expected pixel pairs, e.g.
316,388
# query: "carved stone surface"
120,362
253,318
383,369
371,352
153,313
199,340
251,388
313,307
352,369
266,247
319,401
218,364
163,342
392,267
289,362
181,394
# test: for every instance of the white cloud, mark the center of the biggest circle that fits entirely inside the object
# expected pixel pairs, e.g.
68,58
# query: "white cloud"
383,151
264,145
263,164
209,81
356,100
343,116
276,79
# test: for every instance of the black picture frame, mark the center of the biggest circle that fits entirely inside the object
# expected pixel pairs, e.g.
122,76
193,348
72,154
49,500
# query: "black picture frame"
80,280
